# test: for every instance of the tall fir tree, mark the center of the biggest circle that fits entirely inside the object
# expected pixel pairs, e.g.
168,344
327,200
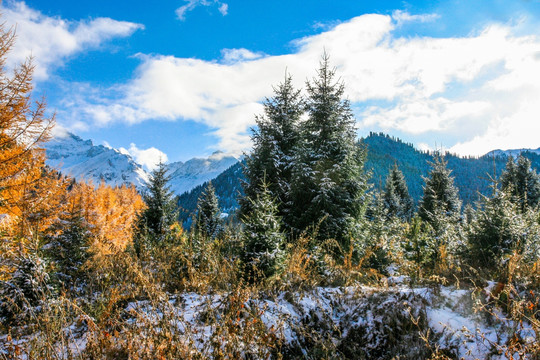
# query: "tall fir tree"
274,143
500,228
208,222
328,180
440,195
68,242
521,182
154,222
27,288
397,200
262,253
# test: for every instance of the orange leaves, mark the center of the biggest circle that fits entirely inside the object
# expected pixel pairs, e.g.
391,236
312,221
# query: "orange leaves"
116,210
26,187
110,213
23,125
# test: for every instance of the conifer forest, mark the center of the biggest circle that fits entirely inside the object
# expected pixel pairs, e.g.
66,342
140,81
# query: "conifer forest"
321,251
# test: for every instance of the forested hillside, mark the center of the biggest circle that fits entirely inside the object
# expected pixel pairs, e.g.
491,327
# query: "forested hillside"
472,175
228,189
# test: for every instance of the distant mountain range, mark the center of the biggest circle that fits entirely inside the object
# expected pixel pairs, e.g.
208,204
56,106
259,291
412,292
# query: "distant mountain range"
186,176
84,160
514,153
472,175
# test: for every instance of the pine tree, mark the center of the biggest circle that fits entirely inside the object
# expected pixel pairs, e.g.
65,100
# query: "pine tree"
274,143
500,228
68,241
377,246
418,246
155,220
521,182
440,195
328,180
397,200
262,253
27,287
208,222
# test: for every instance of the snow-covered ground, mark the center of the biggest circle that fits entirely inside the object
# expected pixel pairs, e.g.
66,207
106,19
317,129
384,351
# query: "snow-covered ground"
368,322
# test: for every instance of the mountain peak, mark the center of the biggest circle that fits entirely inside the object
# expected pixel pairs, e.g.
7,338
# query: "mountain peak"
512,152
83,160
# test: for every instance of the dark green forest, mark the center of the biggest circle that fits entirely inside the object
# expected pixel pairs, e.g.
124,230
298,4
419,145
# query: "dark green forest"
472,174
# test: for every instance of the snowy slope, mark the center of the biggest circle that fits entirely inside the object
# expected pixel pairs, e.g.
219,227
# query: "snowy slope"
186,176
83,160
512,152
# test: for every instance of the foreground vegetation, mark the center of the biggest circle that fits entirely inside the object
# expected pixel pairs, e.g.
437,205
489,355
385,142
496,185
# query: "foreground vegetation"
317,266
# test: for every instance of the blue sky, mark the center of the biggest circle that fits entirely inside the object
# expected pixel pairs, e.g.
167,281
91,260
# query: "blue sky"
185,78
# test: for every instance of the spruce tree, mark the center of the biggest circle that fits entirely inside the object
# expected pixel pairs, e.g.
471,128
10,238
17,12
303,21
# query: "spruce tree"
328,181
274,143
155,220
21,295
208,222
419,246
67,246
500,228
396,196
376,247
262,253
440,195
521,182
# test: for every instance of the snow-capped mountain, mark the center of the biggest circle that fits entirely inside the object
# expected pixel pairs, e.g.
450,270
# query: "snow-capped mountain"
194,172
512,152
83,160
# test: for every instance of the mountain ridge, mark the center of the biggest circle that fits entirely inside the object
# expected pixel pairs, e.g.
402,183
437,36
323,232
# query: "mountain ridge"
84,160
472,174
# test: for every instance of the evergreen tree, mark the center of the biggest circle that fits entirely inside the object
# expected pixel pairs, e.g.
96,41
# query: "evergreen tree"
418,246
521,182
274,142
21,295
377,246
155,220
208,221
500,228
396,196
262,253
68,244
440,195
328,181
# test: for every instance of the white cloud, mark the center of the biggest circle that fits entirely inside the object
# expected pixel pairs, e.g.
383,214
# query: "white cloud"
149,158
190,5
51,39
223,9
475,88
423,115
401,17
230,56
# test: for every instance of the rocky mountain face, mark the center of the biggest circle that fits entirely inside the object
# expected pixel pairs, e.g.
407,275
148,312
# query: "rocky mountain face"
194,172
83,160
